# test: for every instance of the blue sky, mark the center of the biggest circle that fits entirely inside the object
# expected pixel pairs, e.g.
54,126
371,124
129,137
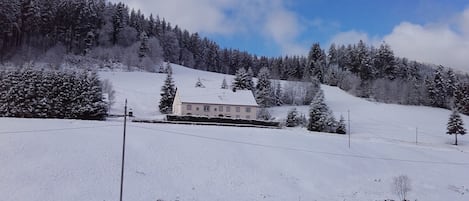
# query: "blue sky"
424,30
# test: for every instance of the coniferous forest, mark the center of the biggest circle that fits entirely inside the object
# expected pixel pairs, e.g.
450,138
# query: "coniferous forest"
97,31
31,93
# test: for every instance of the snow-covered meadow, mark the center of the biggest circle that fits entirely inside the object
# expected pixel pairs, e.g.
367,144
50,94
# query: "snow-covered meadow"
80,160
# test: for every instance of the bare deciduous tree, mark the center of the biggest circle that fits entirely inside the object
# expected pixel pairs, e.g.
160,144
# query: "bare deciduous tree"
401,186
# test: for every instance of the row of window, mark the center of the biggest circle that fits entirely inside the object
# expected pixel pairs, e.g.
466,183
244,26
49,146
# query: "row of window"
221,115
219,108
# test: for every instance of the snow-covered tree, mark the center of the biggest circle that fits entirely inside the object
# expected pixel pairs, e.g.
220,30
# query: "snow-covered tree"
250,81
401,186
293,118
277,94
320,117
384,62
241,81
436,89
451,83
144,49
455,126
168,69
224,85
341,127
168,92
263,88
199,84
263,114
316,62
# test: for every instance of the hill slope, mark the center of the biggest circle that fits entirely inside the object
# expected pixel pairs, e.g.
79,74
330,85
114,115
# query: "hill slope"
80,160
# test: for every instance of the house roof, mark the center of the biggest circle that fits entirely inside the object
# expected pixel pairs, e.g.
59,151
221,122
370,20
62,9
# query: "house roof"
216,96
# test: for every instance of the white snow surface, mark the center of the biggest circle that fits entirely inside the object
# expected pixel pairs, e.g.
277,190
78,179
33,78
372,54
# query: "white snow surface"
80,160
216,96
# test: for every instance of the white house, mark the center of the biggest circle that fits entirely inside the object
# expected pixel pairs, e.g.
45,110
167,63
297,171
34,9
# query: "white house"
215,103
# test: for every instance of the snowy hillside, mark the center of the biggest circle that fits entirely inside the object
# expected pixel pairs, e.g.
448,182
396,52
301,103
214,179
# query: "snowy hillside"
80,160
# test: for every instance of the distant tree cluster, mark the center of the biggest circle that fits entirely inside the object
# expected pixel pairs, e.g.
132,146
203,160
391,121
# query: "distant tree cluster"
50,94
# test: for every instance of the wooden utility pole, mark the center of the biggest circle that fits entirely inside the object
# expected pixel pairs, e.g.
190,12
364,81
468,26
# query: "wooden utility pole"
123,149
348,118
416,135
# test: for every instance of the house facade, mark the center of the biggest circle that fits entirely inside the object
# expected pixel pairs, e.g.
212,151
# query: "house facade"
215,103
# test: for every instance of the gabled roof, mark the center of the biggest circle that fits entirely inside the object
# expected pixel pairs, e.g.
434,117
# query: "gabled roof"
216,96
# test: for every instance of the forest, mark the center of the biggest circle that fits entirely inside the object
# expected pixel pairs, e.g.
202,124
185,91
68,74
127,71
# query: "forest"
105,33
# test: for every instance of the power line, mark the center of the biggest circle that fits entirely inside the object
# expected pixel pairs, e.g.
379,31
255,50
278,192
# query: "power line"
54,129
305,150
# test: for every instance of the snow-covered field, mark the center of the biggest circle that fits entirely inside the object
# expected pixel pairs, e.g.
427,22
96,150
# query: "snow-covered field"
80,160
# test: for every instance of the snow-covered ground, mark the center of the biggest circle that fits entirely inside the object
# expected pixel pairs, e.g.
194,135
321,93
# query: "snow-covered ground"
80,160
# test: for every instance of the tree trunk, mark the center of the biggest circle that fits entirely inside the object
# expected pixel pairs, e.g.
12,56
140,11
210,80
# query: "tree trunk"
456,139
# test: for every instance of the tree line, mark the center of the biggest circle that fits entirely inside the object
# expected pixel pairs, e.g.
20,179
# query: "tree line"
30,93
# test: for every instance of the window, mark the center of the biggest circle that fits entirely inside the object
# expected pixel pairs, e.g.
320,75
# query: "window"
206,108
220,108
238,109
189,107
197,108
215,109
228,108
248,109
248,117
237,116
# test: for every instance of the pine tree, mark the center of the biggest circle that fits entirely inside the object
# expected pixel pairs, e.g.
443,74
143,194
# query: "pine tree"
199,84
436,89
263,88
320,117
144,48
241,80
293,119
341,127
250,82
97,108
451,83
316,62
278,95
263,114
455,126
224,85
89,40
168,69
385,62
168,92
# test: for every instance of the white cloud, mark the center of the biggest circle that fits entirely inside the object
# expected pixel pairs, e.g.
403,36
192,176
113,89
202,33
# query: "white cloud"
443,43
268,19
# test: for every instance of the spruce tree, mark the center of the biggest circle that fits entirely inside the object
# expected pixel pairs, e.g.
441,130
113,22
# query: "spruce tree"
168,92
144,48
341,127
293,119
263,88
250,82
96,110
455,126
320,117
436,89
224,85
199,84
241,80
278,95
